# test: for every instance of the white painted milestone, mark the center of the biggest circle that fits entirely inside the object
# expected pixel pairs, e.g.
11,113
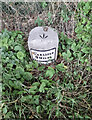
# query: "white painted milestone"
43,44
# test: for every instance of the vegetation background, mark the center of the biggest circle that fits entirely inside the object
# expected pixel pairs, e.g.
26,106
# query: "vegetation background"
58,91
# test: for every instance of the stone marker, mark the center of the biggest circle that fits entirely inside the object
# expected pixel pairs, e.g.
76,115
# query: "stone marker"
43,44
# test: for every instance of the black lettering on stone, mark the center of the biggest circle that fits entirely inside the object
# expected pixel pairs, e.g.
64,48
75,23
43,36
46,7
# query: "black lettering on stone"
36,57
52,52
46,54
40,57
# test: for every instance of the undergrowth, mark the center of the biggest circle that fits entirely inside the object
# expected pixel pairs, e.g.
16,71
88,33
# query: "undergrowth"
61,90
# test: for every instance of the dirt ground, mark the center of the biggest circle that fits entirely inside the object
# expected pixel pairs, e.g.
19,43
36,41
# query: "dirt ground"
23,16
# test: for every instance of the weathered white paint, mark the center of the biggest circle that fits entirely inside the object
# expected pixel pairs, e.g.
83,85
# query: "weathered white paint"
43,44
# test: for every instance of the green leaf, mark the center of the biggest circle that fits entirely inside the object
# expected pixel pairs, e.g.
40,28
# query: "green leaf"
29,66
5,110
38,21
11,83
8,115
18,48
19,71
70,116
73,47
64,55
4,41
17,85
21,92
36,84
36,99
68,53
44,4
6,76
19,36
38,109
41,89
82,96
35,64
85,50
60,67
27,76
41,68
26,98
87,117
33,92
50,72
20,55
45,81
33,88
